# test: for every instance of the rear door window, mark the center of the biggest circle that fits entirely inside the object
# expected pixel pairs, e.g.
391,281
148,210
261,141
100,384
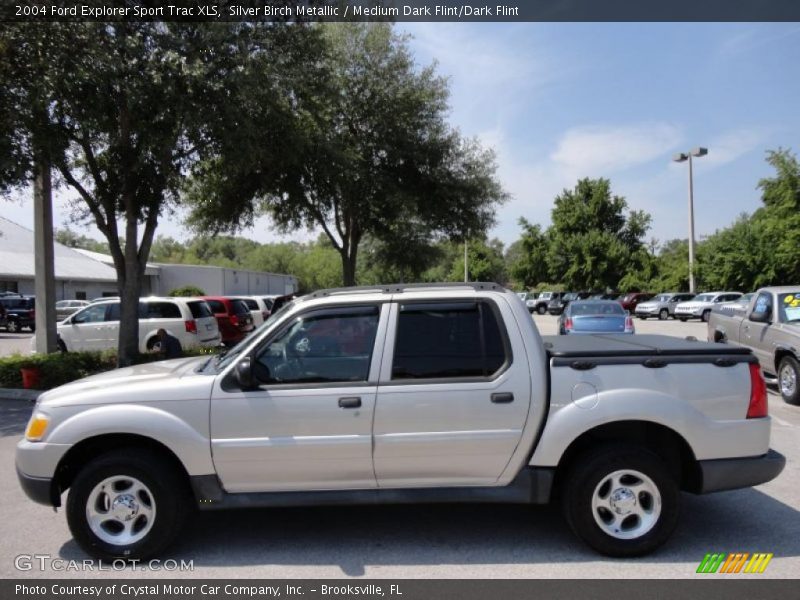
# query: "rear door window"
159,310
216,306
199,309
454,340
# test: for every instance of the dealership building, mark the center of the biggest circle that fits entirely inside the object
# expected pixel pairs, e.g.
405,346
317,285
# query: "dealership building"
84,275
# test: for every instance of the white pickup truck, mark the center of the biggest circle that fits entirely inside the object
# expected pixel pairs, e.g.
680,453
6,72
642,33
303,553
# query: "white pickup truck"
436,393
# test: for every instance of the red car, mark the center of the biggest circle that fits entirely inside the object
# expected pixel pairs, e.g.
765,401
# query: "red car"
629,301
233,318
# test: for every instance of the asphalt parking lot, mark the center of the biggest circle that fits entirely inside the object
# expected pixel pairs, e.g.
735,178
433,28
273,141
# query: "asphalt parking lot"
11,343
460,541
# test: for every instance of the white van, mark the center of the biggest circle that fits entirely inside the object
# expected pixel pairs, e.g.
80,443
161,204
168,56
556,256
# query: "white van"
96,327
257,306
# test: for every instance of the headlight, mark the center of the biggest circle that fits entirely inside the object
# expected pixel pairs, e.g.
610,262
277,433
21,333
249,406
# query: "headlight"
36,427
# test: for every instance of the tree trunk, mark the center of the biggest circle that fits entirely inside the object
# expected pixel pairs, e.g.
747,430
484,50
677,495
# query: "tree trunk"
130,285
128,347
348,267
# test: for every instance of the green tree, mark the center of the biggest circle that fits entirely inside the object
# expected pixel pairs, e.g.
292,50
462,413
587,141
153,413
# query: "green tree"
593,242
528,267
72,239
376,149
484,260
124,110
759,249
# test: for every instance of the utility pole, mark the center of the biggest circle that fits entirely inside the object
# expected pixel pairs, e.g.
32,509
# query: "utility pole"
466,269
45,281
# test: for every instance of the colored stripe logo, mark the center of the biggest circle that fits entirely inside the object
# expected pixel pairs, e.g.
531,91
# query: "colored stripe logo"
734,562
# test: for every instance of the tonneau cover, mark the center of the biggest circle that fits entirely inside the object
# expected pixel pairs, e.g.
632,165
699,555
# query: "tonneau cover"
605,345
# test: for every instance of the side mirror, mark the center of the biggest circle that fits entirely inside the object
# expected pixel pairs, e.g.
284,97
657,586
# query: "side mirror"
760,317
244,374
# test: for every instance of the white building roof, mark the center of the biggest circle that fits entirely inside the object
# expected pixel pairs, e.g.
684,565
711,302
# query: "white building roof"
17,258
107,259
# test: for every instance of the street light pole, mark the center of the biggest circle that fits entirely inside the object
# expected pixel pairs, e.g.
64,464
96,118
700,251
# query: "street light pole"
681,157
691,228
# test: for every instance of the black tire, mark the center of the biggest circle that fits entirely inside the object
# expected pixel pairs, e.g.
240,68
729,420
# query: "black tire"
663,314
62,347
152,342
170,495
683,319
587,474
706,315
643,317
12,326
790,364
541,309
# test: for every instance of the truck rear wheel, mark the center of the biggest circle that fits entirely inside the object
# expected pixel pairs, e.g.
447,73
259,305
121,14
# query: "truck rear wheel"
127,504
788,375
541,309
621,500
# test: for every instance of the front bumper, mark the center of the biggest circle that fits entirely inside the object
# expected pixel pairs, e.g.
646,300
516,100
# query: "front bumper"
734,473
39,489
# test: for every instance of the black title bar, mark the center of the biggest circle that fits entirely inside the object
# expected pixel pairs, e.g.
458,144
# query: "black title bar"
402,10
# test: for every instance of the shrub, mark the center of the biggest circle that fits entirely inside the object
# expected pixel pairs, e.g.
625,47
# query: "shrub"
187,290
63,367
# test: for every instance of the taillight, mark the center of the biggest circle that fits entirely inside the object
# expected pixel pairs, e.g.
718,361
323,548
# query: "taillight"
265,314
758,394
32,313
234,320
191,326
628,324
568,323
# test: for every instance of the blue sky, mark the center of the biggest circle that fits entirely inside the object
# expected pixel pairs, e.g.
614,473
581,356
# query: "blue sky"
564,101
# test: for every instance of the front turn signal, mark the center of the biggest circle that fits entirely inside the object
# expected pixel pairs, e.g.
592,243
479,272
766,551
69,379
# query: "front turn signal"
36,427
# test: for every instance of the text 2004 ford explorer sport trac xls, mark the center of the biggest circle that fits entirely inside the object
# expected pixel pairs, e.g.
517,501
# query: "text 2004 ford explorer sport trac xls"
404,394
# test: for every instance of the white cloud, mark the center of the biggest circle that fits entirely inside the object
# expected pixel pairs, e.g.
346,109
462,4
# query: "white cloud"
731,145
598,149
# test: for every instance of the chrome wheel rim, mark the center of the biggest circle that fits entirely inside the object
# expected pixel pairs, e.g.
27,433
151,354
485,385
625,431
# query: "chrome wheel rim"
788,380
626,504
120,510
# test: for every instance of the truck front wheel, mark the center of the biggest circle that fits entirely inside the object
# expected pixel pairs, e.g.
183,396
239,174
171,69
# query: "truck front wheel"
621,500
788,375
127,504
541,309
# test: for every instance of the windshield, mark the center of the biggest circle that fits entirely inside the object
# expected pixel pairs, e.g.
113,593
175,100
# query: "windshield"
789,311
223,360
663,298
704,298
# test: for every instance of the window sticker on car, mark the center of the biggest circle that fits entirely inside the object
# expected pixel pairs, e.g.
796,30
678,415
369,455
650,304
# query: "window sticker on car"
793,312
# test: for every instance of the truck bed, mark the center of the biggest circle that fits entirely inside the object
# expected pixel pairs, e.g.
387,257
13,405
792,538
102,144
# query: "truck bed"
648,345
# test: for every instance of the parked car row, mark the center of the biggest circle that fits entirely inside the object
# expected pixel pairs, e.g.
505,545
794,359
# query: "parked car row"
196,321
678,305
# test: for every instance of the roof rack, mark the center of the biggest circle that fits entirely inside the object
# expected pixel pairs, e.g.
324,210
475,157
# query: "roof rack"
399,288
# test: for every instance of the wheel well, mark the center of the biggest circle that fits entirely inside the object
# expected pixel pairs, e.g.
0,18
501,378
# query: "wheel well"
665,442
719,336
85,450
780,354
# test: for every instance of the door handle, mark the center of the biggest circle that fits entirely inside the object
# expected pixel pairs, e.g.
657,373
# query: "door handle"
350,402
502,398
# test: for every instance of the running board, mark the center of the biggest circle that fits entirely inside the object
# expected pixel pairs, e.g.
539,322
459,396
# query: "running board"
531,486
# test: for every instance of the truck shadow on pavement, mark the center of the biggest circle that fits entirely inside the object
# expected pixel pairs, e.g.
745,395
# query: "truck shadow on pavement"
354,538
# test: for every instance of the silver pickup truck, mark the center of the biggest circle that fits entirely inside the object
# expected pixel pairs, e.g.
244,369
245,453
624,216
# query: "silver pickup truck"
435,393
770,326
